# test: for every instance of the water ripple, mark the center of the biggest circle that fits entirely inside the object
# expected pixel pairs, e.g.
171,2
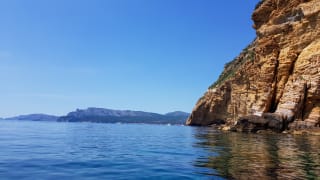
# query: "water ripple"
49,150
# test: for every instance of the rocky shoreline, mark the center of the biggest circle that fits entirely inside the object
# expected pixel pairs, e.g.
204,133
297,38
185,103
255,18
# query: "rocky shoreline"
267,123
313,132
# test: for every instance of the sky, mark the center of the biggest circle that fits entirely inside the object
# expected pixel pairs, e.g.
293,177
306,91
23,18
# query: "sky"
149,55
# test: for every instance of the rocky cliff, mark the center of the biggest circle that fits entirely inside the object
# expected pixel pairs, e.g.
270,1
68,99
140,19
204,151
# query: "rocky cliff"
275,82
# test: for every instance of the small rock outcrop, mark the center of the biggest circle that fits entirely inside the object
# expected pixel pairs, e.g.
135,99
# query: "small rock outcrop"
275,82
254,123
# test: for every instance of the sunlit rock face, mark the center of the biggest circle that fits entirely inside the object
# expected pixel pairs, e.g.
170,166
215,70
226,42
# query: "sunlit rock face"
279,72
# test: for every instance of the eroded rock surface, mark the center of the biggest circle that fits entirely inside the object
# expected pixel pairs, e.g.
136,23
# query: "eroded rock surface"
278,74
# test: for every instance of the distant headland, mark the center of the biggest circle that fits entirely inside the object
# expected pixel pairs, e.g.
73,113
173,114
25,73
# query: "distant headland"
102,115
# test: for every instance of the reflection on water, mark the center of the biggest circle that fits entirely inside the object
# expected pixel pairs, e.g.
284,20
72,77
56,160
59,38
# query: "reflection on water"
252,156
50,150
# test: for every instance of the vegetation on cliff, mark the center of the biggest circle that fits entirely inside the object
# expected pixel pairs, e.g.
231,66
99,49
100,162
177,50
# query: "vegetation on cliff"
232,67
258,4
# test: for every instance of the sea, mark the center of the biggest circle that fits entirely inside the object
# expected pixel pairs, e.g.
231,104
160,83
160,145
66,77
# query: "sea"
60,150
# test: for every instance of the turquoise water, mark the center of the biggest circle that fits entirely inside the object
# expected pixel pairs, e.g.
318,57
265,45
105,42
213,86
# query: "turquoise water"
50,150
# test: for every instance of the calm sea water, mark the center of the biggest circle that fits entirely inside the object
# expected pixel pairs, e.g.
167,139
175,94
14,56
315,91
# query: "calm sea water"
50,150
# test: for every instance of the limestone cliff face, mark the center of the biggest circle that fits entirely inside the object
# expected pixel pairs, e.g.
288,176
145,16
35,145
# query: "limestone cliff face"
278,73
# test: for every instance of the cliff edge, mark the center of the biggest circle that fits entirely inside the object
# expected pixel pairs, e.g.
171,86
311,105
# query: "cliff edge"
275,82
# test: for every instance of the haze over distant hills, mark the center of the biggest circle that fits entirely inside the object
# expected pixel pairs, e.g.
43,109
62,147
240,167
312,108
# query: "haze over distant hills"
34,117
124,116
102,115
177,113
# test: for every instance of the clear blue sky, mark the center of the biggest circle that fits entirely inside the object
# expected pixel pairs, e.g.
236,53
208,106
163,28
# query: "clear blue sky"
150,55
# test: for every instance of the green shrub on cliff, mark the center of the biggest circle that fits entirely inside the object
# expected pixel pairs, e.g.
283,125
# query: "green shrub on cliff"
232,67
223,77
259,4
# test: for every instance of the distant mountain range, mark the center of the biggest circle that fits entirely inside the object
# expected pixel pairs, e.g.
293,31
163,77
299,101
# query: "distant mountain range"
177,114
34,117
102,115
